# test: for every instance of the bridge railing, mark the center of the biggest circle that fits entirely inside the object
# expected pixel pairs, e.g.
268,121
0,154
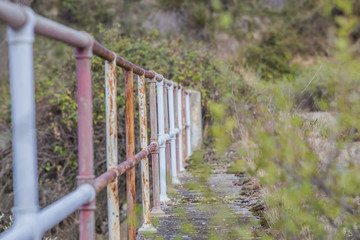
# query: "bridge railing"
168,106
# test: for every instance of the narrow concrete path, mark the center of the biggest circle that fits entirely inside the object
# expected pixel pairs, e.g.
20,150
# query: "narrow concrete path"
211,208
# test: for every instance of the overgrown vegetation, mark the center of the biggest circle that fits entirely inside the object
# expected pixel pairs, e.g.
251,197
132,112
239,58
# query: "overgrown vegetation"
307,163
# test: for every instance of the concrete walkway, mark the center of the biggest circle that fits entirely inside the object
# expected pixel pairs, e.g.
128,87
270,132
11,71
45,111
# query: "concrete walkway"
217,207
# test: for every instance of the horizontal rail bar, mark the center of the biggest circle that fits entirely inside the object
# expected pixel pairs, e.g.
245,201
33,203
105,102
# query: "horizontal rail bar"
101,51
12,15
59,210
15,16
167,137
108,176
23,231
52,214
162,139
59,32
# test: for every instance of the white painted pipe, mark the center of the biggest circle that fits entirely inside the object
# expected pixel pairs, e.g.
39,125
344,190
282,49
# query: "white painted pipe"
51,215
162,140
179,101
20,230
176,131
168,136
23,119
161,135
170,91
59,210
188,123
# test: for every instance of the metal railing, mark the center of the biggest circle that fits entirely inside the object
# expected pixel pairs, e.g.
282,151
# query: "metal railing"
168,106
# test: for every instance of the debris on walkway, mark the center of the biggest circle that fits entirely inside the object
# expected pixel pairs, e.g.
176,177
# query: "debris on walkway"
225,206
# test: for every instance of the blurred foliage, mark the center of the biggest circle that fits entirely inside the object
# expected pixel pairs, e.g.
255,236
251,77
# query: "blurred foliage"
301,32
271,58
307,170
271,36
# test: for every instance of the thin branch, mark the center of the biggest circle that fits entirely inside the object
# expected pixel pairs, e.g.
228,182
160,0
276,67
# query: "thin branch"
313,77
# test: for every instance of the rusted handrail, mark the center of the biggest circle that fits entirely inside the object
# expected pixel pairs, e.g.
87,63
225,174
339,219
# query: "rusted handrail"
23,24
104,179
15,17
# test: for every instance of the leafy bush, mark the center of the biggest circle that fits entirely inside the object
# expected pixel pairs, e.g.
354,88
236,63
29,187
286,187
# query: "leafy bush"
307,167
271,58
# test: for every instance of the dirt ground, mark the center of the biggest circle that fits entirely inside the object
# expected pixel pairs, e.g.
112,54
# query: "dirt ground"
222,206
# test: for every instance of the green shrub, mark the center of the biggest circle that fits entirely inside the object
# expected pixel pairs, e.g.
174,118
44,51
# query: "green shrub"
309,182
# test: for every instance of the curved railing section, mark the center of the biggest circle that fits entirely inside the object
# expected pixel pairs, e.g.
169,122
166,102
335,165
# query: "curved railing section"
170,124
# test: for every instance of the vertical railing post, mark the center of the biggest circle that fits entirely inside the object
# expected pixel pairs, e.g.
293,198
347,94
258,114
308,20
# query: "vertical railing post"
188,123
156,211
176,128
130,153
146,226
170,88
111,149
85,137
162,142
180,124
184,124
23,125
166,125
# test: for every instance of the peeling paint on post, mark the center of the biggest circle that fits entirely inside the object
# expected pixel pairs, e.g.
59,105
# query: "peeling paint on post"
23,119
161,139
85,138
156,211
180,142
188,124
195,119
183,124
168,156
176,128
170,88
111,149
130,153
147,226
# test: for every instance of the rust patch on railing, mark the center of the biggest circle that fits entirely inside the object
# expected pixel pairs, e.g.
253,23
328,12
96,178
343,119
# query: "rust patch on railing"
183,124
167,144
155,154
176,127
85,136
143,144
111,149
130,152
104,179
